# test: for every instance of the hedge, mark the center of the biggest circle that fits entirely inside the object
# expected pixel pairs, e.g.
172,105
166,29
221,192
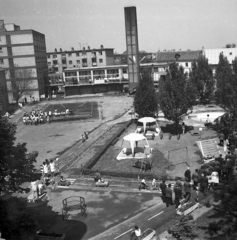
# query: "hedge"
103,149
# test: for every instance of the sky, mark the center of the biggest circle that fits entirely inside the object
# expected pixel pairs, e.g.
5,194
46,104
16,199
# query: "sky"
162,24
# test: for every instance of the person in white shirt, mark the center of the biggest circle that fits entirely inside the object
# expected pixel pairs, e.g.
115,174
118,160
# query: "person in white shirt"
34,189
46,170
52,167
137,233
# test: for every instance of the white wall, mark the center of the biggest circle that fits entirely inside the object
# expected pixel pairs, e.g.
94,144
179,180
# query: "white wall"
22,38
22,50
24,62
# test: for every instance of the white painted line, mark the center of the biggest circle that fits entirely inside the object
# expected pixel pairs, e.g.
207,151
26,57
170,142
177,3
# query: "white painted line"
155,215
123,234
182,200
63,187
71,179
80,145
70,154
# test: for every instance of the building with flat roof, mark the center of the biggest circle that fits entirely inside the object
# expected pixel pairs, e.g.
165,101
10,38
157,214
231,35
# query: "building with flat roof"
104,79
60,60
23,51
3,91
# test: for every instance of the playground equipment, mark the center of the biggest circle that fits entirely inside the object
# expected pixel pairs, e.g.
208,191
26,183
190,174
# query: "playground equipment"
72,204
148,120
133,138
102,183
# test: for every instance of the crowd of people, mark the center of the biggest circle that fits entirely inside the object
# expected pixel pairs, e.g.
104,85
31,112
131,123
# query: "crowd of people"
39,116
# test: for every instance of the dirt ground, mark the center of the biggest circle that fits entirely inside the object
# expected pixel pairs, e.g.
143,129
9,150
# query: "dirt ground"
50,140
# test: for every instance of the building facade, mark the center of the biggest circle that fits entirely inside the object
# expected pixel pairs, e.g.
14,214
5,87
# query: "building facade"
103,79
3,91
58,61
213,56
23,51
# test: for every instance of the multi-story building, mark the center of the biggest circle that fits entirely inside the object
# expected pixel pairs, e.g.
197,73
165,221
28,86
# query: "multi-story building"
103,79
182,58
58,61
213,56
23,50
3,91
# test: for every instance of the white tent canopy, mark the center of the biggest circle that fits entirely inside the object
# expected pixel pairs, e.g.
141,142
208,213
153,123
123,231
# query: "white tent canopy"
133,138
146,120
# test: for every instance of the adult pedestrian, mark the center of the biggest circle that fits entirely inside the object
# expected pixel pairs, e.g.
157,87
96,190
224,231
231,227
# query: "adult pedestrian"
52,168
177,195
214,179
224,171
221,138
183,128
187,174
204,184
195,178
163,189
168,196
187,190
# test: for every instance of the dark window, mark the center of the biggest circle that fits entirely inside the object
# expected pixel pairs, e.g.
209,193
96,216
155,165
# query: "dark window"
78,61
186,64
55,56
1,61
101,60
69,54
77,54
55,62
230,53
70,62
64,61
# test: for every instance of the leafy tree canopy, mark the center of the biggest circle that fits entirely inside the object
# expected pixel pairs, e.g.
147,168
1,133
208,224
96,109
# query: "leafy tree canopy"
176,94
226,91
16,165
145,100
201,76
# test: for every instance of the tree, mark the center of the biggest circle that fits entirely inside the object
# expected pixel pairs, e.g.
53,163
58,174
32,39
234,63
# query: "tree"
145,100
176,94
201,76
22,83
16,165
226,91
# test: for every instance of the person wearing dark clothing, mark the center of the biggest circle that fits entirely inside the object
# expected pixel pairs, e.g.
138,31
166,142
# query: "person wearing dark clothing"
97,176
222,137
204,184
224,171
163,188
201,171
187,174
178,195
168,196
195,178
187,190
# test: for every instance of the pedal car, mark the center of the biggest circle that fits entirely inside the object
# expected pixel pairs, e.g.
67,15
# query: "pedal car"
102,183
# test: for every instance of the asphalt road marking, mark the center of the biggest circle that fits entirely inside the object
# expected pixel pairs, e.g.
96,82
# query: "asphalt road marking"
155,216
123,234
70,154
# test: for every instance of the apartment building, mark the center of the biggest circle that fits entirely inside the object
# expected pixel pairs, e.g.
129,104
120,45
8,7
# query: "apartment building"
3,92
25,51
60,60
213,56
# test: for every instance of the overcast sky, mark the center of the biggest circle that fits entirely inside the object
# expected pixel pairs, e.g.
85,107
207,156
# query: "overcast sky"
162,24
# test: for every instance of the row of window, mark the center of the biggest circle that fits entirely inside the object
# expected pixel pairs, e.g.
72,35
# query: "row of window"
96,72
40,49
83,54
55,62
37,37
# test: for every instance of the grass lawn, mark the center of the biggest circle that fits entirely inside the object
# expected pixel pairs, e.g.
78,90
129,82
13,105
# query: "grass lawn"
170,155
